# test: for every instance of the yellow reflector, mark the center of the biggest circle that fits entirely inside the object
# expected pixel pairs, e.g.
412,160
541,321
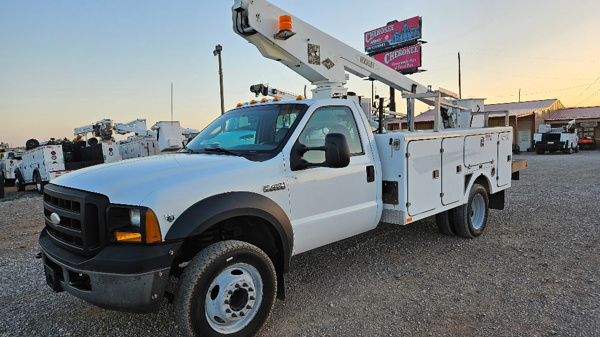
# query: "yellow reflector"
239,105
264,100
128,237
299,97
253,101
276,99
408,220
285,22
152,228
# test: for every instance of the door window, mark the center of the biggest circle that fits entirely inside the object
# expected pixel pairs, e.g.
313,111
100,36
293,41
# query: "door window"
330,120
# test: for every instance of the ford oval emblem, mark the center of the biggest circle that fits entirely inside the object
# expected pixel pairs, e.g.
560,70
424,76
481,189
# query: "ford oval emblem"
55,219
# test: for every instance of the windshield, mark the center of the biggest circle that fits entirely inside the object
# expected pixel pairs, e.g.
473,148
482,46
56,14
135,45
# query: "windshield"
259,129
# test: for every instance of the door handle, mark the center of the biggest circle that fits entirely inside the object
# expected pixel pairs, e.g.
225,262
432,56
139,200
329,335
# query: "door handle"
370,173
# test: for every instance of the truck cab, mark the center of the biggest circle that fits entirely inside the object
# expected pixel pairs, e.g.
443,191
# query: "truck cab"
285,177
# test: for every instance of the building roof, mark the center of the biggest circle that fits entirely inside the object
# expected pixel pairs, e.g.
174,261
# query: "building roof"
519,109
586,113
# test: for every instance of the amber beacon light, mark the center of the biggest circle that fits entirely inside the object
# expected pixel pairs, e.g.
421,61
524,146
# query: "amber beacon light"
285,28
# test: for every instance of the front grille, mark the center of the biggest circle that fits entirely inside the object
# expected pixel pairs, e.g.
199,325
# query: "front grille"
82,225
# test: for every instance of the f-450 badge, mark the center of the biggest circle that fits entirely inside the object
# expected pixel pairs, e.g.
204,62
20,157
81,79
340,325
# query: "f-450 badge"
274,187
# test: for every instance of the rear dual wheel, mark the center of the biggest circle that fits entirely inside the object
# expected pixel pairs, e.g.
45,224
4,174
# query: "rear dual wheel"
228,289
470,219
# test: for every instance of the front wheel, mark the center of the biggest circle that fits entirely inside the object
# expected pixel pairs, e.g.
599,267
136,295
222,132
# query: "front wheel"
228,289
20,186
1,186
39,184
470,219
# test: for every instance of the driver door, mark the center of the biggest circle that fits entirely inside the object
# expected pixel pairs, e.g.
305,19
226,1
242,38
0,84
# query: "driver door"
330,204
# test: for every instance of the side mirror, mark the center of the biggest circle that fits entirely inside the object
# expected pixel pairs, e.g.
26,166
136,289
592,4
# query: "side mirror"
336,148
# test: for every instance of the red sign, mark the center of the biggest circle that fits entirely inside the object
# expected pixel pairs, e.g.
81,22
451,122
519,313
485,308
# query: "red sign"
393,35
401,59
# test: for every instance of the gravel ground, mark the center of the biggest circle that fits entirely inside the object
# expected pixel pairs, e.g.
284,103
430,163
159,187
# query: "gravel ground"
535,272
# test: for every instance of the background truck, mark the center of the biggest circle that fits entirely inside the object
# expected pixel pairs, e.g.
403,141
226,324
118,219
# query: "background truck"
11,160
551,139
164,136
43,162
262,183
52,159
3,147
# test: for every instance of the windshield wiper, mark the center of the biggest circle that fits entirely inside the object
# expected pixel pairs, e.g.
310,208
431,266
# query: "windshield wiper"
221,150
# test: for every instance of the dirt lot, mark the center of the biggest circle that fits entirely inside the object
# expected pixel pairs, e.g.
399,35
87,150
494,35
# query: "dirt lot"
535,272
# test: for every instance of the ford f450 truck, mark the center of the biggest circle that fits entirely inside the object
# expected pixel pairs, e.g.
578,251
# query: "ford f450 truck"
263,182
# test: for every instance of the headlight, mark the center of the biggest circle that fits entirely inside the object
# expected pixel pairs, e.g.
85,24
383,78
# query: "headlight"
135,217
133,224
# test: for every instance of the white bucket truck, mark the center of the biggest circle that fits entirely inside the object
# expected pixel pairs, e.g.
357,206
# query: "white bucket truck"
262,183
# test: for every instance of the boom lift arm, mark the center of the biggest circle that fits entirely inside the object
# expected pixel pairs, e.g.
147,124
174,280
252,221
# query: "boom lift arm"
267,90
137,126
102,129
313,54
323,60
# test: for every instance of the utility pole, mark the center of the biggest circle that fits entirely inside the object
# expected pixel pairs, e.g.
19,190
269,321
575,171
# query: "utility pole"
519,95
217,51
459,84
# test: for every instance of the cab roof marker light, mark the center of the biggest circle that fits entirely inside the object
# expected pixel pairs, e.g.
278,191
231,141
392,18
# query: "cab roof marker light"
276,99
299,97
253,101
264,100
239,105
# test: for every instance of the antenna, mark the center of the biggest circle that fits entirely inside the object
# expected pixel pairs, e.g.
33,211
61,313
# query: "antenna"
171,101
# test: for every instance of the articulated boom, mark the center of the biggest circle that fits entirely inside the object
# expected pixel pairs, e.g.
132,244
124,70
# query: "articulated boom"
315,55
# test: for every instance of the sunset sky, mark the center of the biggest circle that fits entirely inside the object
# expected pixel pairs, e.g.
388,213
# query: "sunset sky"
69,63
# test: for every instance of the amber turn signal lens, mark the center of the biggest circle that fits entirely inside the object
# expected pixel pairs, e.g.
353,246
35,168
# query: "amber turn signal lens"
152,228
128,237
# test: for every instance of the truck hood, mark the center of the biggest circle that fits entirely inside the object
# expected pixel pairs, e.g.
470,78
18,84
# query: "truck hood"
131,181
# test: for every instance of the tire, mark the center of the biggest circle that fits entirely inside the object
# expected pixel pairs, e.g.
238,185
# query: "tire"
445,222
1,185
31,144
9,182
577,149
39,184
470,219
228,289
19,182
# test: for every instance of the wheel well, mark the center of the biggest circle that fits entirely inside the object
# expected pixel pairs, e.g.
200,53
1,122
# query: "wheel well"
482,180
251,229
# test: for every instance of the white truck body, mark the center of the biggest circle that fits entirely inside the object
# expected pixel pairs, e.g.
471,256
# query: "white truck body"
165,136
46,162
551,139
11,159
266,181
138,146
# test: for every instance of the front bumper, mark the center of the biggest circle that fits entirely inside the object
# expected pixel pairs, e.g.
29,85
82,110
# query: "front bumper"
130,278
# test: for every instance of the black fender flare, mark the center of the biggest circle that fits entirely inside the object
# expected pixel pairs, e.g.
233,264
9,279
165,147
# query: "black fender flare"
212,210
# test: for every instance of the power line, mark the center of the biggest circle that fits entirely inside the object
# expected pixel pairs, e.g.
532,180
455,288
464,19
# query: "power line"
586,89
542,92
536,77
591,96
533,58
